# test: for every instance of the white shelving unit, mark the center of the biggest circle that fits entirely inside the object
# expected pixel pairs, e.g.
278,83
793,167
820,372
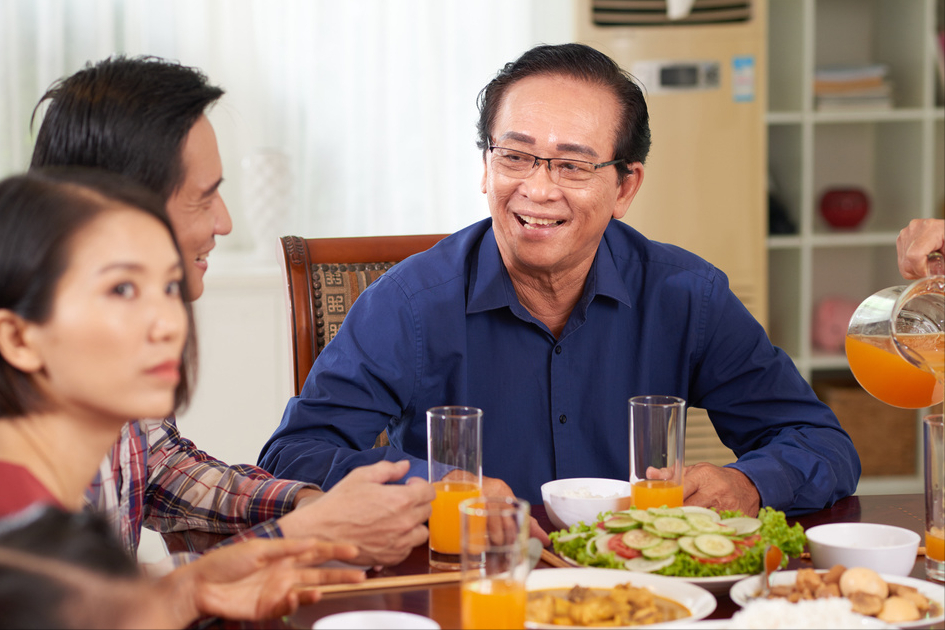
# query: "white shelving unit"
897,156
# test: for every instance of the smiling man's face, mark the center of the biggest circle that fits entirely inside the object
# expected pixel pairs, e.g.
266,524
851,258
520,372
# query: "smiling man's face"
196,208
542,228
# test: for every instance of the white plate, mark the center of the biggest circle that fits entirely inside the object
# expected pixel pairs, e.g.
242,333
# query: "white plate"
715,585
699,601
749,587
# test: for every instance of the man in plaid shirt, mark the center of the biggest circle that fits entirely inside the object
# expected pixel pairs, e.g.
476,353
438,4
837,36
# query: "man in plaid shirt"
144,117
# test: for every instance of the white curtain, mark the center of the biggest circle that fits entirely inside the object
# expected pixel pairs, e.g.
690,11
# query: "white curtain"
374,101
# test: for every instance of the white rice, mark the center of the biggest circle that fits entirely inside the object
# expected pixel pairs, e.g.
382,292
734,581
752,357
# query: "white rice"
834,612
585,493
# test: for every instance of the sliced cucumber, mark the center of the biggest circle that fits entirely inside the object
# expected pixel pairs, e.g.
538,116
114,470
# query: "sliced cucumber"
671,526
648,527
643,565
695,509
600,543
664,511
725,530
640,539
703,524
714,545
665,549
686,544
642,515
743,525
621,524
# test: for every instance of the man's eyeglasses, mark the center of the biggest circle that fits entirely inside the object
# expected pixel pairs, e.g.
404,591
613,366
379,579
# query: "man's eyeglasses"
563,171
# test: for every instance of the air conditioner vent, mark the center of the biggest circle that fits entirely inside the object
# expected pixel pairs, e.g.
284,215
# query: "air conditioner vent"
653,13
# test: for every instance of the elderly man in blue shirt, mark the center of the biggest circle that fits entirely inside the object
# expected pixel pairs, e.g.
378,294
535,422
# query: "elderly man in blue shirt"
552,313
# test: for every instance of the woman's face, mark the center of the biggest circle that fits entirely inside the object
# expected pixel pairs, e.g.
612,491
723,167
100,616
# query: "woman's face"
112,346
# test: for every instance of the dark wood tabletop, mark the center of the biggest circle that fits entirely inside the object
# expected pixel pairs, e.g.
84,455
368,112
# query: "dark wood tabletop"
441,602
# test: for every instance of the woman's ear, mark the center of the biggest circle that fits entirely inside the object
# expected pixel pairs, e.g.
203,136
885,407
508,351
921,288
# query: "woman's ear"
14,343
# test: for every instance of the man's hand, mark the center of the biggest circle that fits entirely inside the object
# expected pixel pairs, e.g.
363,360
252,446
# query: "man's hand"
255,579
914,244
492,487
385,521
712,486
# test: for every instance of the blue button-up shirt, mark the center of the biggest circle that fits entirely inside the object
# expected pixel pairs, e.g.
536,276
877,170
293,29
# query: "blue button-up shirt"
445,327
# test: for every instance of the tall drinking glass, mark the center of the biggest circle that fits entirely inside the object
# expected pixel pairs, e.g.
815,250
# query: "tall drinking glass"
657,450
454,460
933,440
494,562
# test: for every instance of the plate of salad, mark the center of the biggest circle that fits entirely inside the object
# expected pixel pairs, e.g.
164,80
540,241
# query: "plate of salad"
705,547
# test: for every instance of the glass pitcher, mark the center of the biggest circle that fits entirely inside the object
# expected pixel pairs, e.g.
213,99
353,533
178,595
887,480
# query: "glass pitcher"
895,342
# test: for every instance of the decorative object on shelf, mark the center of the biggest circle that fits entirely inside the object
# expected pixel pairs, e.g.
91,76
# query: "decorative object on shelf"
844,208
845,88
267,193
779,218
831,318
779,222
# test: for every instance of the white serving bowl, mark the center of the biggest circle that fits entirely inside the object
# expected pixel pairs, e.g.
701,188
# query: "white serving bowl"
568,501
883,548
378,619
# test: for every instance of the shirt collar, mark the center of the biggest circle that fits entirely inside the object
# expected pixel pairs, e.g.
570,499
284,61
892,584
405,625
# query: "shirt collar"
490,286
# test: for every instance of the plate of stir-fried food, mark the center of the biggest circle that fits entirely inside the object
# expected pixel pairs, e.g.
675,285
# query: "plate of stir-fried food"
585,597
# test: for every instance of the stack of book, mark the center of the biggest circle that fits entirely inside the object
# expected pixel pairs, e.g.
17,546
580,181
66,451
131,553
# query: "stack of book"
845,88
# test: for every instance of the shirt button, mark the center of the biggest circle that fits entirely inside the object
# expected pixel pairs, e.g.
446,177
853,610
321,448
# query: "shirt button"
562,418
557,349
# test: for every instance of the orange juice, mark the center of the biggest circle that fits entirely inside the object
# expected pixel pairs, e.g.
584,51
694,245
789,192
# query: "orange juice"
656,493
492,604
444,519
935,544
890,378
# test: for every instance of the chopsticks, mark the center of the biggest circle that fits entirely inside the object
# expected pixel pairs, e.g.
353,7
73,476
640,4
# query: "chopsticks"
419,579
398,581
554,560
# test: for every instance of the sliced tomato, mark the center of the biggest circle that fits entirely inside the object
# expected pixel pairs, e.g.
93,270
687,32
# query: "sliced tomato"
601,525
616,545
748,541
732,556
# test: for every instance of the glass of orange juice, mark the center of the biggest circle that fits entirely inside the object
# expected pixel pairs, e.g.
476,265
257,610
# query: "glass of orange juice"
494,562
657,450
454,460
934,458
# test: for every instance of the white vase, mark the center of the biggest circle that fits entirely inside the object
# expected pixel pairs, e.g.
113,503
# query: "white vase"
267,195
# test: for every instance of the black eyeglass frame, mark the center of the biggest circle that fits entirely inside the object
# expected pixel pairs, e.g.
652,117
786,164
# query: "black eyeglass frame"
493,147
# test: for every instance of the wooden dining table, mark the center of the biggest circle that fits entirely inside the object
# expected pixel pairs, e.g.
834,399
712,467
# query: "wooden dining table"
440,601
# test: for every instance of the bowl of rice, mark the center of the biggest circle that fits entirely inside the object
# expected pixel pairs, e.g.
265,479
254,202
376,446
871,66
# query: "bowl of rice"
882,548
830,613
568,501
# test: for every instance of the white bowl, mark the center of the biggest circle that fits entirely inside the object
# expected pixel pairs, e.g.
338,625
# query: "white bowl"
568,501
386,619
883,548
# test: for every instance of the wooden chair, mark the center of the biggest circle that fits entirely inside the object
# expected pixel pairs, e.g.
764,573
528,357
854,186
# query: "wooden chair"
324,276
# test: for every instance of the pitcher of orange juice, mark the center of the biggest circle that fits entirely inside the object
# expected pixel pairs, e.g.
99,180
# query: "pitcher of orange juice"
895,342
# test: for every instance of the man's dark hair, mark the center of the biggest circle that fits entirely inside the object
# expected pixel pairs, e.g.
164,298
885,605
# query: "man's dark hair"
40,214
586,64
125,115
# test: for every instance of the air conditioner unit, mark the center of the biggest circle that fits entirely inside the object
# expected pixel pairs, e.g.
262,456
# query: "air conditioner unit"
705,183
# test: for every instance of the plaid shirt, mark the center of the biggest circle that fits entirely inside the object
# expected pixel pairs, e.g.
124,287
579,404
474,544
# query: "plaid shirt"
155,477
